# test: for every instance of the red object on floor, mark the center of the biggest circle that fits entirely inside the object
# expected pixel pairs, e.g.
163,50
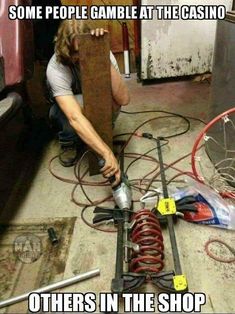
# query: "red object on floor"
147,234
204,213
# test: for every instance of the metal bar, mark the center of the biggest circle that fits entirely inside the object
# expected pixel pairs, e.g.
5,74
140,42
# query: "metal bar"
175,252
162,170
52,287
117,282
126,240
126,217
119,255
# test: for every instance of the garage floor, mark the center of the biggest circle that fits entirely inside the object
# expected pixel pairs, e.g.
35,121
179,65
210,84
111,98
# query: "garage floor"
49,197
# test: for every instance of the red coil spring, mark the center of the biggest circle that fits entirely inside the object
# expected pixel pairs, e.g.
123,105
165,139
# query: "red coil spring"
148,235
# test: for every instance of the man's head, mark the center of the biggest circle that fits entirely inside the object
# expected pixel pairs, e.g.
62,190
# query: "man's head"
66,40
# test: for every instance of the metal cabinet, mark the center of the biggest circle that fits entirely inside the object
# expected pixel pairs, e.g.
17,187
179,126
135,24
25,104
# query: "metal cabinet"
171,48
223,75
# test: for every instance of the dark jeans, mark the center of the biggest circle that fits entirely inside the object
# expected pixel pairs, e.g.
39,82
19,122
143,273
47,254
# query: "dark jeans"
66,133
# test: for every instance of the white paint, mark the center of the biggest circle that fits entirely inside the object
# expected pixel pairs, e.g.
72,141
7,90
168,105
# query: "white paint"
175,47
126,63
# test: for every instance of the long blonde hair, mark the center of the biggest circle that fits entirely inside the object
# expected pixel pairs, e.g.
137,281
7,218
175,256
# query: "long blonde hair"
64,40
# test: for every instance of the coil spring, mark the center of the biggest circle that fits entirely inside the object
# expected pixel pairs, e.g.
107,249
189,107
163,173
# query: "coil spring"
148,235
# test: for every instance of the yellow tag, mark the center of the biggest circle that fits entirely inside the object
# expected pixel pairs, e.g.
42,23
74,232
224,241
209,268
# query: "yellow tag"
180,283
166,206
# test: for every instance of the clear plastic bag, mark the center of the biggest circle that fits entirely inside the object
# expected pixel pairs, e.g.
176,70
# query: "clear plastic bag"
212,208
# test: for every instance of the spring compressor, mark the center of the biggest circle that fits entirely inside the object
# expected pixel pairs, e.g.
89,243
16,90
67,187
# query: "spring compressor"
140,248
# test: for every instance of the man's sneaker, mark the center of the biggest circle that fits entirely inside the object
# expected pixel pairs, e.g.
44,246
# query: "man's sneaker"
68,155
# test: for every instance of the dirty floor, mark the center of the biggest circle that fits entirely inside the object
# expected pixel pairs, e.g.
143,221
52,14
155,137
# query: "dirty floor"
44,196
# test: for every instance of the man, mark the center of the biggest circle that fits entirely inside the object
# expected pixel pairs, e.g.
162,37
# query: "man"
63,77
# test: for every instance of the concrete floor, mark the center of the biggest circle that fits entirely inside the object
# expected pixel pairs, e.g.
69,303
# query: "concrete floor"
90,249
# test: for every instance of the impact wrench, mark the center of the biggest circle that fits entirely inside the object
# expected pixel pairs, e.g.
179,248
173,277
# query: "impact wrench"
122,196
122,192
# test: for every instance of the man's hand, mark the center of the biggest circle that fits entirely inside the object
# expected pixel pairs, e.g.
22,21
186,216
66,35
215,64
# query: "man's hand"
111,168
98,32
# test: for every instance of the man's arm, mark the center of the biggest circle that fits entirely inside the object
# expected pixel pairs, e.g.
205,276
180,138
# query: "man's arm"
87,133
119,90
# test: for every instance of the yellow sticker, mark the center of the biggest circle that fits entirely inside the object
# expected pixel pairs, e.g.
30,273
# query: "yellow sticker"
166,206
180,282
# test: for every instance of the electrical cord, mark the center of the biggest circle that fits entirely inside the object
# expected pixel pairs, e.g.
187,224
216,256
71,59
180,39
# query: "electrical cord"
217,258
155,111
190,174
143,155
139,188
122,134
171,166
149,120
196,119
142,185
80,179
77,172
81,183
152,119
170,115
97,202
163,111
70,181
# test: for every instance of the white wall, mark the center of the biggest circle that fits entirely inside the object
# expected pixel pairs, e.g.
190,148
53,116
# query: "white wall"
173,48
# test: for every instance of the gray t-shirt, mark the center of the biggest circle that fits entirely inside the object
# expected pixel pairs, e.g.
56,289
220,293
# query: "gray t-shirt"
60,77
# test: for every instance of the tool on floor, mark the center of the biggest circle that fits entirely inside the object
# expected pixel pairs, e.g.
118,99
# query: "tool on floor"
53,236
167,207
140,248
52,287
122,192
187,204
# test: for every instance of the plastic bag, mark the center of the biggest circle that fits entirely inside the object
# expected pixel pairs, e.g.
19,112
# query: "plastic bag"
212,208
